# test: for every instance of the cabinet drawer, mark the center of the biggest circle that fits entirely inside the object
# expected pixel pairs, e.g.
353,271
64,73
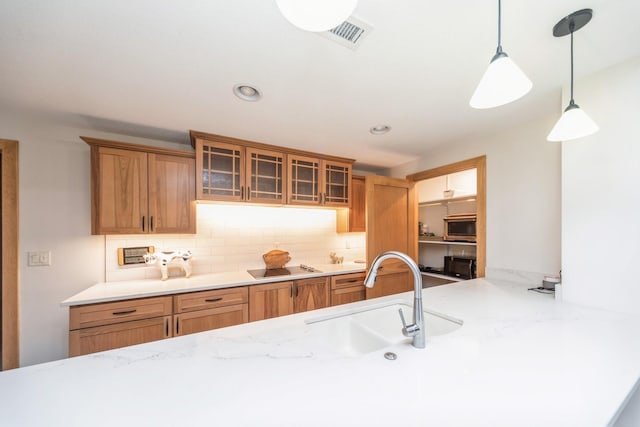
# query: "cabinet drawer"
204,320
195,301
347,295
85,316
100,338
347,280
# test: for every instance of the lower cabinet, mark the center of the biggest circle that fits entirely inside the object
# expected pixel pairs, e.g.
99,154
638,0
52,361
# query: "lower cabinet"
391,283
105,326
206,310
310,294
347,288
282,298
110,325
270,300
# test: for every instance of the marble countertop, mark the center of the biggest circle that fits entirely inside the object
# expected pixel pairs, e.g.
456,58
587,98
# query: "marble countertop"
520,358
114,291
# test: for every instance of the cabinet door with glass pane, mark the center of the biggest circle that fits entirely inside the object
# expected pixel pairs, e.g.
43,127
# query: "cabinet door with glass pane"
304,180
220,169
266,176
337,188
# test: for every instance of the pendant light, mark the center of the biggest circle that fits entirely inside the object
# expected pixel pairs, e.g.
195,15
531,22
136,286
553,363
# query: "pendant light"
316,15
574,122
503,82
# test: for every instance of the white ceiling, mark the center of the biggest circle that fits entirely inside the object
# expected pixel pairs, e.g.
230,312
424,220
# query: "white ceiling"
158,68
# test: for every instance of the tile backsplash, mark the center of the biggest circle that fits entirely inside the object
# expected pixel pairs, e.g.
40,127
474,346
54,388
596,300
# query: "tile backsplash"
234,237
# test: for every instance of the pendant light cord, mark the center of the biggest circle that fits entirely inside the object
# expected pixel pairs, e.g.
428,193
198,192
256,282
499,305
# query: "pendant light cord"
499,50
571,27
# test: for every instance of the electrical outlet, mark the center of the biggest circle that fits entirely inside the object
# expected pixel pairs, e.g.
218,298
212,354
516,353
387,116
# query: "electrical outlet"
39,259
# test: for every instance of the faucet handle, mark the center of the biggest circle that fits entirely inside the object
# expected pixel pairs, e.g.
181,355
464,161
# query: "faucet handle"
408,330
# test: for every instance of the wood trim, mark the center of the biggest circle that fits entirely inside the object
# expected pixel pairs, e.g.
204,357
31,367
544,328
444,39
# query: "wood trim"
229,140
95,142
480,164
10,300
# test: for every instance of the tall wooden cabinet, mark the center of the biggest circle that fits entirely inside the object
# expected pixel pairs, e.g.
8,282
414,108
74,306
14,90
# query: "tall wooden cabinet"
392,225
138,189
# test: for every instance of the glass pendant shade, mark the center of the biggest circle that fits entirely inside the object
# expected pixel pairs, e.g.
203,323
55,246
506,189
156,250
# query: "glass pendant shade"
503,82
574,123
316,15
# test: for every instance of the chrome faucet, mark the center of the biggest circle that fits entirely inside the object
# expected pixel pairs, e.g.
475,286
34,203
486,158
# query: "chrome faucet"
416,329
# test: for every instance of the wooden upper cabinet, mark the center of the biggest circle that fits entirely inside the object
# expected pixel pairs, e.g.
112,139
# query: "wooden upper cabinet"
353,220
119,191
304,180
172,190
232,172
314,181
235,170
138,189
266,176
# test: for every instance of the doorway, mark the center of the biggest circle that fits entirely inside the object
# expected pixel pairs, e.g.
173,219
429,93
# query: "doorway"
9,353
479,164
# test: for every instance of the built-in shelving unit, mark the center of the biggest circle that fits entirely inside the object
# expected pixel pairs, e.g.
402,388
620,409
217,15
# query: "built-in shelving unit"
446,242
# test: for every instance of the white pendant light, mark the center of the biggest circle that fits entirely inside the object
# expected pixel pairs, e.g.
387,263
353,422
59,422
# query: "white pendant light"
574,122
503,82
316,15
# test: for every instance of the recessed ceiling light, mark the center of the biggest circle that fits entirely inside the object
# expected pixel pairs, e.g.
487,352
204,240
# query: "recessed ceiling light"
247,92
380,129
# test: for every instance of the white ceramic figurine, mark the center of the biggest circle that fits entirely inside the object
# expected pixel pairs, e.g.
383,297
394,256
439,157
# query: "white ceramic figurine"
181,256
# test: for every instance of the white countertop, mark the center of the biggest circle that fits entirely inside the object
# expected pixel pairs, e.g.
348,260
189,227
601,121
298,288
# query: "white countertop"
520,359
113,291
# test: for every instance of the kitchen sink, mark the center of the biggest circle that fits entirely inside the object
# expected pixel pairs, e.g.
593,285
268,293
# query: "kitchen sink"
357,332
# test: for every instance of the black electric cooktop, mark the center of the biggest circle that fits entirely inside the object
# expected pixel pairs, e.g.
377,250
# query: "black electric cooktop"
287,271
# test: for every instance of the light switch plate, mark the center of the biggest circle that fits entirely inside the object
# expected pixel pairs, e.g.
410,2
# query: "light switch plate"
39,259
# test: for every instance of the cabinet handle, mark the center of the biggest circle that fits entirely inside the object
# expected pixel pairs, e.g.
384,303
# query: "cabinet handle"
248,193
352,280
142,222
177,325
166,328
151,223
291,290
242,193
296,287
213,299
121,313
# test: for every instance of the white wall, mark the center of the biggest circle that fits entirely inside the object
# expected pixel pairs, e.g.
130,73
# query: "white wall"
523,195
601,194
54,191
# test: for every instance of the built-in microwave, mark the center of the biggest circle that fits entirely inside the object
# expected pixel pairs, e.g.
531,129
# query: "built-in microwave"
461,267
461,227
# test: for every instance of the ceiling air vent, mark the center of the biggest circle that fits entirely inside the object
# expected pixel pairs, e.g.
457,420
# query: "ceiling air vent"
349,34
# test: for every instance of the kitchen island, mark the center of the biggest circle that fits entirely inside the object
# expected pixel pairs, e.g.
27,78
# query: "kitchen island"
519,358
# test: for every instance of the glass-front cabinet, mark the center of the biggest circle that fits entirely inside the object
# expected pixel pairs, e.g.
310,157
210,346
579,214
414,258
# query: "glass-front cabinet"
234,170
314,181
229,172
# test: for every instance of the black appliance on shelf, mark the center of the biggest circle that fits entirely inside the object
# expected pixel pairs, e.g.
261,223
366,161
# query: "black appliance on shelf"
459,266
